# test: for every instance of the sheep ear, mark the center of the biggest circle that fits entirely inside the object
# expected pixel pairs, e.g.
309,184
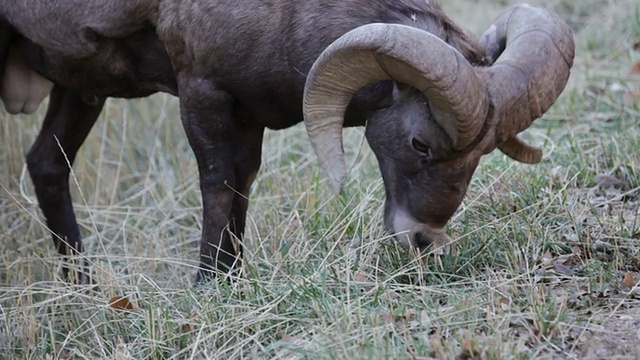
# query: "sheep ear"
374,97
400,90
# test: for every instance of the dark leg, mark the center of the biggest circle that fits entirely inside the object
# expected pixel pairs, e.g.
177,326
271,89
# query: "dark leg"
5,37
68,121
226,152
246,162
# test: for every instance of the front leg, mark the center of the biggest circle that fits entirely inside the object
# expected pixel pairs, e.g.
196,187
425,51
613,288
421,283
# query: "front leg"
246,163
208,122
247,151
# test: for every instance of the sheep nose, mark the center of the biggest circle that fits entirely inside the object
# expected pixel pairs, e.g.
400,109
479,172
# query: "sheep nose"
421,241
410,232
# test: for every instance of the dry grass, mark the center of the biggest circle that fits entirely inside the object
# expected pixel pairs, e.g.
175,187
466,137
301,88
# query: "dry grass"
545,266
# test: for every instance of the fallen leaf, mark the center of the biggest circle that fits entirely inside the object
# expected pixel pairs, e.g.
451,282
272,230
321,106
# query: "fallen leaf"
546,258
576,250
537,278
288,338
120,303
628,280
504,302
601,245
63,354
617,87
361,277
570,237
603,293
607,181
631,97
574,299
562,269
468,352
599,116
387,317
426,320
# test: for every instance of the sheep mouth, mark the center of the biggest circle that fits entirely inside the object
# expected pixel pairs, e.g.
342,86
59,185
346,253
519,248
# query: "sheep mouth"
410,232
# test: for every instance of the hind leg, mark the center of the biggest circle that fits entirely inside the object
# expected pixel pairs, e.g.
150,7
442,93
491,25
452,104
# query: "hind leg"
67,123
5,37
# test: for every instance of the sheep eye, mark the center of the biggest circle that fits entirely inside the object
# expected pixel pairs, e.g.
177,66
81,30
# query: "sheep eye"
421,147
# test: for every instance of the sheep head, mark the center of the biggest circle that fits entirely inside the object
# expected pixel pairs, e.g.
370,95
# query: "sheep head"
444,113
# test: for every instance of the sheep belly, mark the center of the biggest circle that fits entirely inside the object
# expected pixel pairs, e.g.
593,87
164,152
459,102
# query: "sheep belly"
22,90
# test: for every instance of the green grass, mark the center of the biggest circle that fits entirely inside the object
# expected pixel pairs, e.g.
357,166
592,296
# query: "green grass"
536,270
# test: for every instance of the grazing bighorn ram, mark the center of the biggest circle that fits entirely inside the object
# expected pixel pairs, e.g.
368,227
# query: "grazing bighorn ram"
432,105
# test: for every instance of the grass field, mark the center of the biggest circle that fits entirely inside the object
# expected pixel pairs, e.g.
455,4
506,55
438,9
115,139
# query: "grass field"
546,261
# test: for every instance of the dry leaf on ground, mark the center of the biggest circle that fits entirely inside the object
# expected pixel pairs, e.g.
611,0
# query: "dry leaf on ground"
606,181
120,303
628,280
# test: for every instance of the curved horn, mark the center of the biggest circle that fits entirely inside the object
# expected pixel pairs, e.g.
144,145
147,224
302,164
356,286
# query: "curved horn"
533,51
377,52
518,150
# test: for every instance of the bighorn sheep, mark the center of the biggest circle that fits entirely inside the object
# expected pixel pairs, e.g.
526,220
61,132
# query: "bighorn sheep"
432,105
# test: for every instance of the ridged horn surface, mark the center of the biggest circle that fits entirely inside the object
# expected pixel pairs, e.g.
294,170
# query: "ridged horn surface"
377,52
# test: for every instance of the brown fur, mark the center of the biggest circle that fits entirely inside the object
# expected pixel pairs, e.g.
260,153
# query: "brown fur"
74,28
248,64
240,67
